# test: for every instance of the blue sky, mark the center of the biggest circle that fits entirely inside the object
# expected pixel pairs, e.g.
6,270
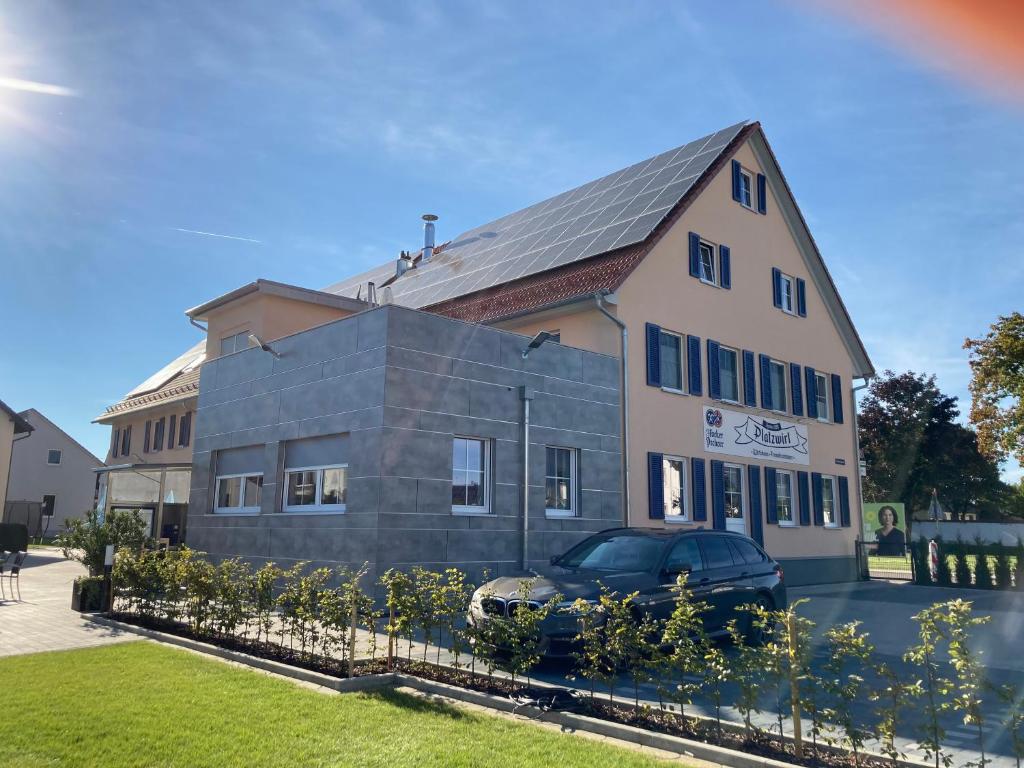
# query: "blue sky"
319,133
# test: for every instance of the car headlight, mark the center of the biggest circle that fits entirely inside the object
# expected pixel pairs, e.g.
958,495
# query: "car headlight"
575,607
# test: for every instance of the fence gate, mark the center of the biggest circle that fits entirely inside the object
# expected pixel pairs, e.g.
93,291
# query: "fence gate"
887,567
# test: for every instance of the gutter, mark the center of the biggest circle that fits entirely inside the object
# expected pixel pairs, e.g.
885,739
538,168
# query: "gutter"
624,395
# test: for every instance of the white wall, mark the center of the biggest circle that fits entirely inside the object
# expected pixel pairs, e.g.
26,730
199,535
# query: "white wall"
990,533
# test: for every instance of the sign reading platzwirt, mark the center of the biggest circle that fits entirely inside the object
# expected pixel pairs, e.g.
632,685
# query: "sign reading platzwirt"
756,437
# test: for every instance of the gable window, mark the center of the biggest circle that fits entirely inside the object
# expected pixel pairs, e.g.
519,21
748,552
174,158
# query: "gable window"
316,489
470,474
828,501
671,355
707,263
234,343
784,497
728,365
239,494
674,486
786,294
560,483
778,385
745,190
821,395
53,457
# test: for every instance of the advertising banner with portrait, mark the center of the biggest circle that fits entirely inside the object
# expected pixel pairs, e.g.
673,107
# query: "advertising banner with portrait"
885,528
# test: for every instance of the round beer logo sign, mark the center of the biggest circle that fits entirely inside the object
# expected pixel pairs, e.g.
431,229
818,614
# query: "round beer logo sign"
713,417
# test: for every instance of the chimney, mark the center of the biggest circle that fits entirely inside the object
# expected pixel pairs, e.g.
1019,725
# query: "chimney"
404,264
428,237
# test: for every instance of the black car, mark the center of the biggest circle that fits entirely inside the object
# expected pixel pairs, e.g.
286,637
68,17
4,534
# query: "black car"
726,570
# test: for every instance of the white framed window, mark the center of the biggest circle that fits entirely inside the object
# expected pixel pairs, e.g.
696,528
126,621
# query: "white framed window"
471,470
777,371
729,374
787,293
561,486
676,499
821,395
316,489
234,343
829,504
239,494
53,457
707,263
784,505
746,187
735,497
671,355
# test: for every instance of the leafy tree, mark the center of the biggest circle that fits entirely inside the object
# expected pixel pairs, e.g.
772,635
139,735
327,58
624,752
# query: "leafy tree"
891,697
523,630
451,599
935,687
601,652
398,598
683,634
425,585
997,387
86,538
261,598
748,670
849,660
970,673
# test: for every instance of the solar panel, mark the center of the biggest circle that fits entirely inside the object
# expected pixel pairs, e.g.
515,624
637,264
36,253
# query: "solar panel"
617,210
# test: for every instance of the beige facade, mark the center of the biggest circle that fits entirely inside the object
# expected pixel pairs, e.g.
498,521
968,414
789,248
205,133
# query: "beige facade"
11,427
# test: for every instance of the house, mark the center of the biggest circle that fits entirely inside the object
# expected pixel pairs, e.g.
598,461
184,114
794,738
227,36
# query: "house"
52,469
13,427
694,270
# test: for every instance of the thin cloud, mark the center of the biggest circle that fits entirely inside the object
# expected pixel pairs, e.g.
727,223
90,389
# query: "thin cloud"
32,86
214,234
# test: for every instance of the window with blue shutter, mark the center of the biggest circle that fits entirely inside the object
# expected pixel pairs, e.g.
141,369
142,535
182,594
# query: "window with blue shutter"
693,364
754,483
700,495
776,287
714,371
796,387
737,181
725,269
694,254
770,493
817,495
812,393
655,486
766,382
653,355
749,379
762,194
837,399
804,498
718,494
801,297
844,502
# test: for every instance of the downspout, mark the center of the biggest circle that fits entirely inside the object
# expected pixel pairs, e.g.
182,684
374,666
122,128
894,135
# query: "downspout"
624,394
856,456
526,395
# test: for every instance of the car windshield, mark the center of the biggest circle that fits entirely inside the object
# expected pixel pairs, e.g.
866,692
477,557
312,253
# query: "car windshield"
615,553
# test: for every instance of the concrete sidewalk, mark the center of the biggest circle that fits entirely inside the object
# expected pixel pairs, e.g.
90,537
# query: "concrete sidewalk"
43,620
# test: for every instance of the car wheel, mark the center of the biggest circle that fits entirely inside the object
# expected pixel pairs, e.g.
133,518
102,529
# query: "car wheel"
755,635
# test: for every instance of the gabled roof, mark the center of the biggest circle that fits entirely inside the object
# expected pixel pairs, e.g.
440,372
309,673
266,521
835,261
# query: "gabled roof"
35,413
181,386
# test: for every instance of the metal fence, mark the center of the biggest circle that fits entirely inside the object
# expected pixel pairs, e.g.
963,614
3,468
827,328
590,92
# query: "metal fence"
888,567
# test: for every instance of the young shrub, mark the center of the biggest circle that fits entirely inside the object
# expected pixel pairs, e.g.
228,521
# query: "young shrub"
984,578
922,566
424,586
198,578
85,538
289,604
849,661
523,631
334,618
891,696
451,601
683,635
486,641
398,588
748,672
1004,570
360,609
230,585
935,688
796,632
970,672
261,586
1013,723
943,573
774,657
600,653
961,567
717,672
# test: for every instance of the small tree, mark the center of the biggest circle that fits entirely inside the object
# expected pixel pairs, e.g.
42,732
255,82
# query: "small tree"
1004,570
683,635
451,600
748,671
891,697
922,566
1013,724
398,598
944,576
601,650
849,660
961,568
424,586
935,688
523,633
231,578
984,578
774,656
970,673
795,632
717,673
86,538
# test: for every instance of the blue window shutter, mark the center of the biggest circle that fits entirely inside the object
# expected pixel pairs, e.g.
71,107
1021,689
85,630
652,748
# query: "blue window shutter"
694,254
725,269
777,287
147,436
749,379
797,386
718,494
801,297
754,482
837,399
655,486
693,364
736,180
844,502
804,498
817,495
770,494
653,355
762,194
714,371
766,382
700,495
812,392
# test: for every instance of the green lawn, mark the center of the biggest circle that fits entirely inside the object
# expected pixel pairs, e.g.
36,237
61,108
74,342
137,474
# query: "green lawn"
141,704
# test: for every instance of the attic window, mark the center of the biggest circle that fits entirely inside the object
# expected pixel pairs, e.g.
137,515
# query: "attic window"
746,184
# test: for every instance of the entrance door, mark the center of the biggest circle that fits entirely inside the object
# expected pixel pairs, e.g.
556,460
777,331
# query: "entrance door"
735,502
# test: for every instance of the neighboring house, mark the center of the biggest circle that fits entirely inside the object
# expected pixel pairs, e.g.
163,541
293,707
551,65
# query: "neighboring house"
694,270
13,427
52,468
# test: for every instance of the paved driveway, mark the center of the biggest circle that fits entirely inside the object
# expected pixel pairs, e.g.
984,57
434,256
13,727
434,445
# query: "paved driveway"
43,620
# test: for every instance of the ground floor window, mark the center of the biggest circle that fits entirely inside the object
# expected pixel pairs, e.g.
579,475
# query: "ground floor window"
828,501
316,489
239,493
470,474
673,470
784,497
560,485
732,475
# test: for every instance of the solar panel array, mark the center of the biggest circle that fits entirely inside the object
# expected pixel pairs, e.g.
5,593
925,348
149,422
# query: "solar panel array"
617,210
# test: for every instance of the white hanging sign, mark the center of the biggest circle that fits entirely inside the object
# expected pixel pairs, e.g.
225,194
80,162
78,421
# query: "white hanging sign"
755,437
